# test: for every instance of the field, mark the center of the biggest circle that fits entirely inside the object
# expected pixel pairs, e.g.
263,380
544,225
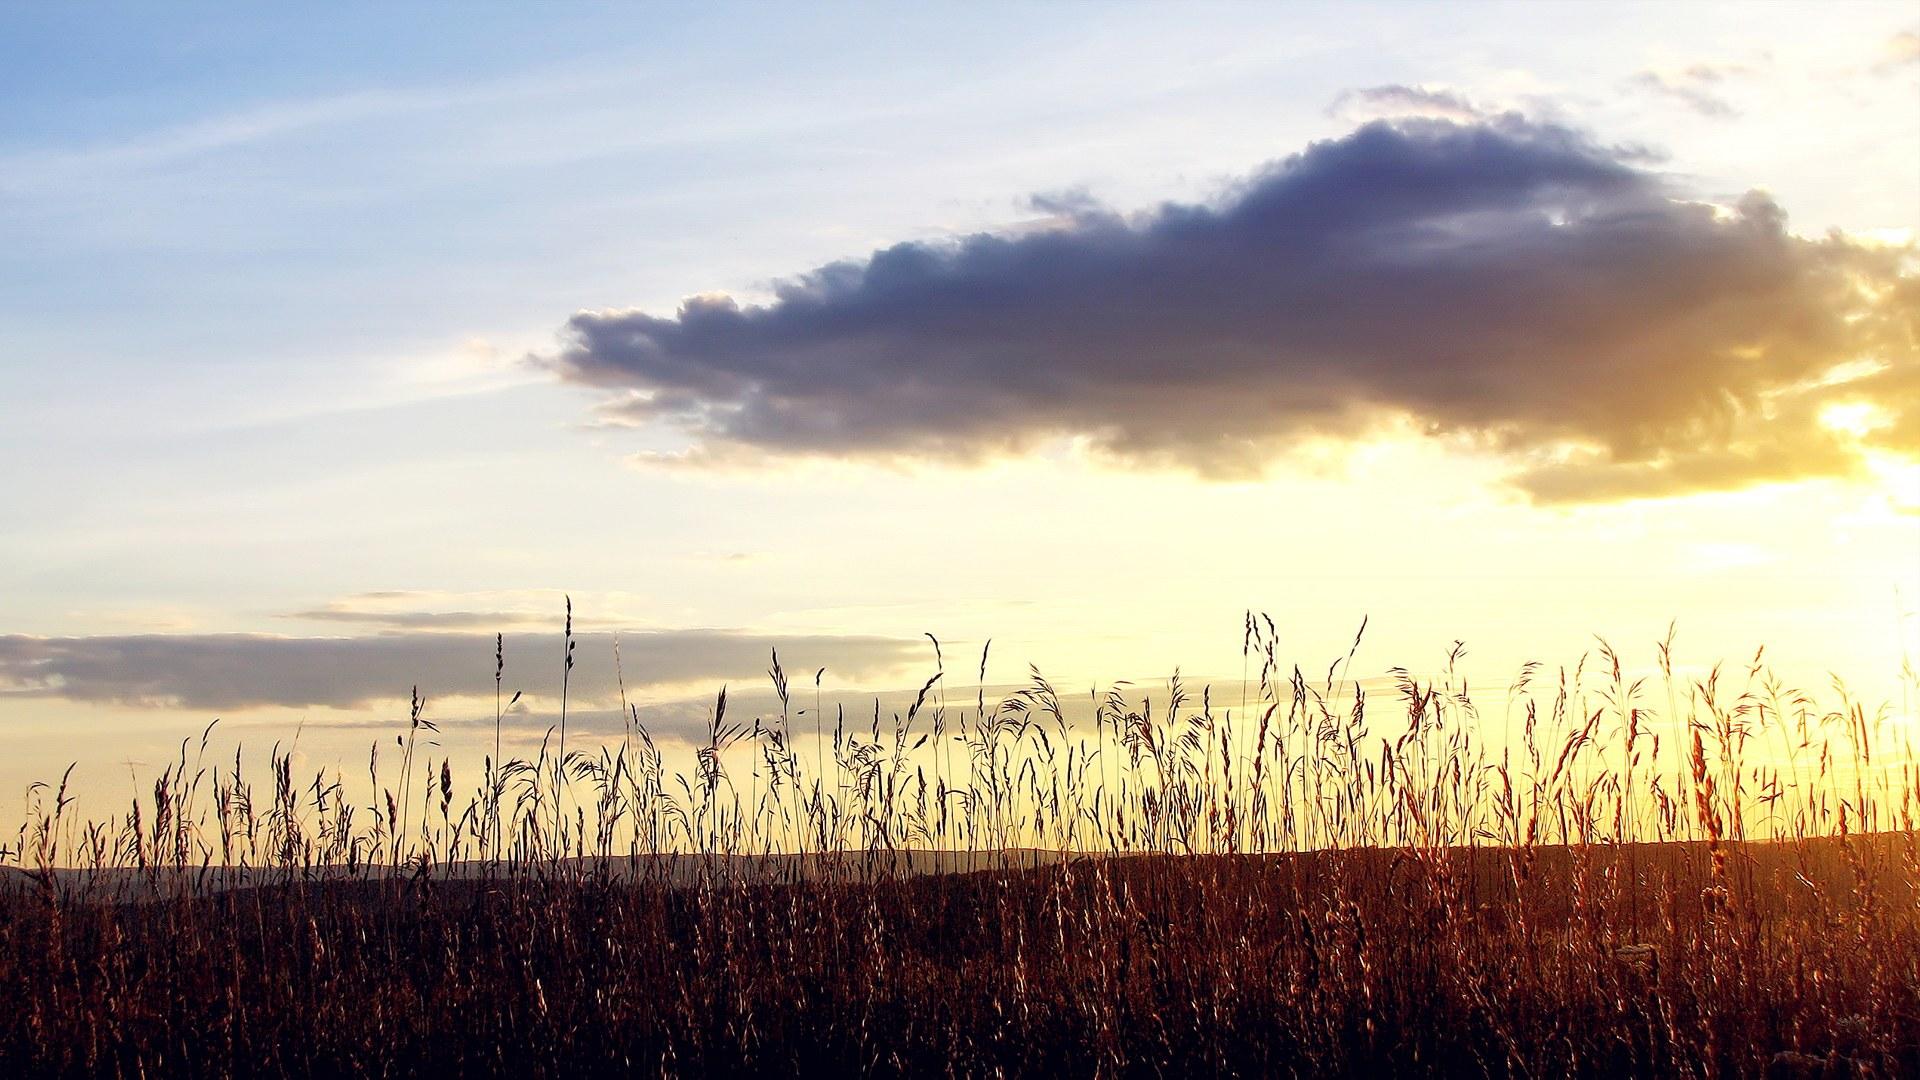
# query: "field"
1662,876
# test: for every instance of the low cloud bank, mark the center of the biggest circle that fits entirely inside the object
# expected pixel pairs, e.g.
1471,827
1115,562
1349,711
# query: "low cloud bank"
224,672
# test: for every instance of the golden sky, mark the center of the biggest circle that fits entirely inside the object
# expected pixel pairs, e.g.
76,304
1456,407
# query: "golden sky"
329,362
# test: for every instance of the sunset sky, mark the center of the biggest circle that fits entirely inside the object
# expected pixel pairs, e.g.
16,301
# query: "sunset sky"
336,343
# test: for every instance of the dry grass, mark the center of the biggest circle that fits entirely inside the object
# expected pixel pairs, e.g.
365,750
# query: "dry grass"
1719,882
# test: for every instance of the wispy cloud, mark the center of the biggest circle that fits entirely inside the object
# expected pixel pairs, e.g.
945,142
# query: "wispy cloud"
493,611
1699,87
1394,101
1510,282
45,166
424,620
1902,50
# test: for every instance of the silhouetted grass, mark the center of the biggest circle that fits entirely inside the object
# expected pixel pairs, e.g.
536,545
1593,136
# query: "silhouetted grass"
1648,877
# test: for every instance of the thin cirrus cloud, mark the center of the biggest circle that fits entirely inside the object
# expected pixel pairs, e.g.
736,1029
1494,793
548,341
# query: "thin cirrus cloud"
243,671
410,610
422,620
1509,283
1396,101
1698,87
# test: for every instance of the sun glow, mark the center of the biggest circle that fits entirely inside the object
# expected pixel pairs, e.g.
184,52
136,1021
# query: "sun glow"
1898,476
1857,419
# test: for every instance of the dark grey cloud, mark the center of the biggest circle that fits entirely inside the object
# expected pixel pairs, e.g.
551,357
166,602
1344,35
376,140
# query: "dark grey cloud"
238,671
1508,283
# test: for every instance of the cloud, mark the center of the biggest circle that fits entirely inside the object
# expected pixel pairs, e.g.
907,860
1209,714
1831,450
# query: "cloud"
1901,50
223,672
1507,283
414,610
423,620
1396,101
1695,87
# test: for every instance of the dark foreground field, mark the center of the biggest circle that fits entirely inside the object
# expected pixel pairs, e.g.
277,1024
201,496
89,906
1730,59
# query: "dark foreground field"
1638,877
1795,959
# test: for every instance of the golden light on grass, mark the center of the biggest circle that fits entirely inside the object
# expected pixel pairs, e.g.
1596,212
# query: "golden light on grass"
1591,872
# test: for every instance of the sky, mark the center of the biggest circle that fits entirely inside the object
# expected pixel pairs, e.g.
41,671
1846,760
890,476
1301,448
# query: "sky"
334,342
